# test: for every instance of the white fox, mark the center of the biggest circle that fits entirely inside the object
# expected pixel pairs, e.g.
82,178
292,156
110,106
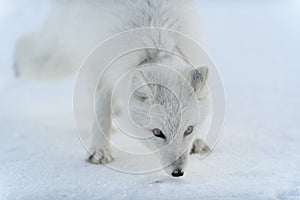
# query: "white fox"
73,28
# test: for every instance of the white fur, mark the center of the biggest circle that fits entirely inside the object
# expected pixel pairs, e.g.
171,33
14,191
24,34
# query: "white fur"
73,28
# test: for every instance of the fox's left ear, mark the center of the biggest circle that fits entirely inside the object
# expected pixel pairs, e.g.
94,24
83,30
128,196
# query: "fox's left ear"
198,78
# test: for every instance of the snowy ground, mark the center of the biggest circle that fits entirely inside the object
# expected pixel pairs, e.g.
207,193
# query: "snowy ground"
256,47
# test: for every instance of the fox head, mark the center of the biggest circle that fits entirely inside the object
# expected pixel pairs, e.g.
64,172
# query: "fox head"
165,103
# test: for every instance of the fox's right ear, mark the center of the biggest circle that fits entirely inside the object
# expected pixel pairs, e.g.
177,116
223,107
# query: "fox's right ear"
140,86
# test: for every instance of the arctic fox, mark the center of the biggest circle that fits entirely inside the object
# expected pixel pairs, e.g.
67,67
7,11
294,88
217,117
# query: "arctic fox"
73,28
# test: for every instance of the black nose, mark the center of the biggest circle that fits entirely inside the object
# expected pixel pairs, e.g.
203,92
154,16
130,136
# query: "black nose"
177,173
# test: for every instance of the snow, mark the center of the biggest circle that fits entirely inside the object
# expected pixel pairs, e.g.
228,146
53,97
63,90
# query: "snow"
255,45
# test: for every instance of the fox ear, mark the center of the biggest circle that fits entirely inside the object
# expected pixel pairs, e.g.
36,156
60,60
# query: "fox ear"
140,86
198,78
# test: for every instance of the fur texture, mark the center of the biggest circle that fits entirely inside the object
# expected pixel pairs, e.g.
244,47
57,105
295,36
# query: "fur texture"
73,28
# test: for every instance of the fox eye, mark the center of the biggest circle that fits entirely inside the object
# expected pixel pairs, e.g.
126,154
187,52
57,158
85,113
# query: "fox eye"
189,130
158,133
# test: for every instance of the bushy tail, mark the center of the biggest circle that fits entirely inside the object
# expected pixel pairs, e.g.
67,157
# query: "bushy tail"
39,57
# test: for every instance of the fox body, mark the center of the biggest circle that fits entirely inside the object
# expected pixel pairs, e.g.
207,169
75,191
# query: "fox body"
176,96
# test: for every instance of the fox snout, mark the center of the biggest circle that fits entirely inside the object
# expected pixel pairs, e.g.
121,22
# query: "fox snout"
177,173
176,168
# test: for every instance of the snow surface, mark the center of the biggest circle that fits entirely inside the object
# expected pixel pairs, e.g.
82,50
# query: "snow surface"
256,46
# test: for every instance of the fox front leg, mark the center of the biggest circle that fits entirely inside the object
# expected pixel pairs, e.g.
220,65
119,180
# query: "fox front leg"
99,151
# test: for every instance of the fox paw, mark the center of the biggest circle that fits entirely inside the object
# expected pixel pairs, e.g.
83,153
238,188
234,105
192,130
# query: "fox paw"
100,156
199,147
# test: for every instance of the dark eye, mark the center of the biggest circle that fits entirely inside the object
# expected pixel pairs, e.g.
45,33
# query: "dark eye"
158,133
189,130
